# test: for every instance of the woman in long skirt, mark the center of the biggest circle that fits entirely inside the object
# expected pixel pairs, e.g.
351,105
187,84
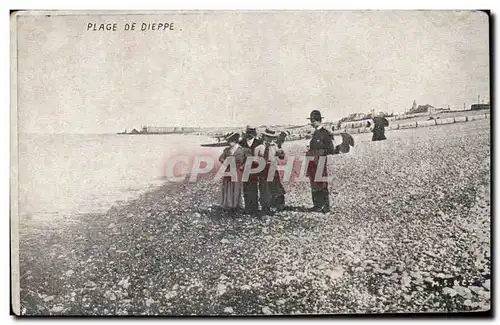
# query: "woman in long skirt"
231,188
380,123
272,193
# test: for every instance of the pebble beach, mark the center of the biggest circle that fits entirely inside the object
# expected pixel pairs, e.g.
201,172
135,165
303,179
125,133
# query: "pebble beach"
409,231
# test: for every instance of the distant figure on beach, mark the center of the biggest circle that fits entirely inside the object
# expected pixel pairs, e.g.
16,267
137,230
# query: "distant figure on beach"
250,187
231,188
347,143
332,135
272,193
281,138
379,125
321,145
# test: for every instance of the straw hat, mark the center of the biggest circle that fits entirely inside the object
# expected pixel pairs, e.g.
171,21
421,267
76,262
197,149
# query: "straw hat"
270,133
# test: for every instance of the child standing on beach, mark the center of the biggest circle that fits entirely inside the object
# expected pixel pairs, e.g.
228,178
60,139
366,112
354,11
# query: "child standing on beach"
231,188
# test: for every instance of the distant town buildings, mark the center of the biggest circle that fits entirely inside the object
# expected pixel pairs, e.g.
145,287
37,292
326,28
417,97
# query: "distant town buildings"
166,130
475,107
158,129
356,116
421,108
414,107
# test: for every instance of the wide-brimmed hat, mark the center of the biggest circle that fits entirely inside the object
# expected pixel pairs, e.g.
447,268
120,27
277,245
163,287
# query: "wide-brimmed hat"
233,137
315,116
270,133
251,130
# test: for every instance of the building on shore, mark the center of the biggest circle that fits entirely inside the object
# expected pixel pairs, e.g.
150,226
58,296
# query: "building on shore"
159,129
476,107
422,109
164,130
356,116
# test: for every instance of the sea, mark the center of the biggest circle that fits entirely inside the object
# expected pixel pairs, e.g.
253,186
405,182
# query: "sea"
71,174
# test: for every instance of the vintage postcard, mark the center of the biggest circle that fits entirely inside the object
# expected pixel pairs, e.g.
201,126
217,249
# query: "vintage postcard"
240,163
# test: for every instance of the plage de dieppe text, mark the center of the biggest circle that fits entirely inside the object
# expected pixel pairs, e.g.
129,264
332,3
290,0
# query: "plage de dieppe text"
112,27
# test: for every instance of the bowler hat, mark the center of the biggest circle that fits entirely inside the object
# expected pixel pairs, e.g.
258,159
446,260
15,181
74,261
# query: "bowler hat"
251,130
315,116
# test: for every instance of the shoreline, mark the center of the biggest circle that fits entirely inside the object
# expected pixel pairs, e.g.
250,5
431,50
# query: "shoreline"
400,123
169,252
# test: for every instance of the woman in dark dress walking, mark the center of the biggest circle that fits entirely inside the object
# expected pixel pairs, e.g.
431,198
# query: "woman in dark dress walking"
380,123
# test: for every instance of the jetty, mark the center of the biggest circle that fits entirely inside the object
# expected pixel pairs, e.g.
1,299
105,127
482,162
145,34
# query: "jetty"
162,130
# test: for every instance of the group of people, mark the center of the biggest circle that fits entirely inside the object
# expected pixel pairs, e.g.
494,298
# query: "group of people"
258,188
269,191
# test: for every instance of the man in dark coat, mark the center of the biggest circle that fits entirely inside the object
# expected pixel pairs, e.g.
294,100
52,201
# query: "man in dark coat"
380,123
250,187
321,145
281,138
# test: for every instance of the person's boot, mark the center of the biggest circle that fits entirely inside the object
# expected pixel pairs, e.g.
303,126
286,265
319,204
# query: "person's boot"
326,201
266,212
316,202
280,203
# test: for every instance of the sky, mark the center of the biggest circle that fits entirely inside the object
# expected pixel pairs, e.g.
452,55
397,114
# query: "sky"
239,68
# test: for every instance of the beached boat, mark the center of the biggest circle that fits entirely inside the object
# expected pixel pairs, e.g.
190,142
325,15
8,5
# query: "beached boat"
216,144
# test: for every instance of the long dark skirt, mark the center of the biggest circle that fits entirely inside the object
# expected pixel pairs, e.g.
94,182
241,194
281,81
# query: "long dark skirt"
272,193
378,134
251,196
